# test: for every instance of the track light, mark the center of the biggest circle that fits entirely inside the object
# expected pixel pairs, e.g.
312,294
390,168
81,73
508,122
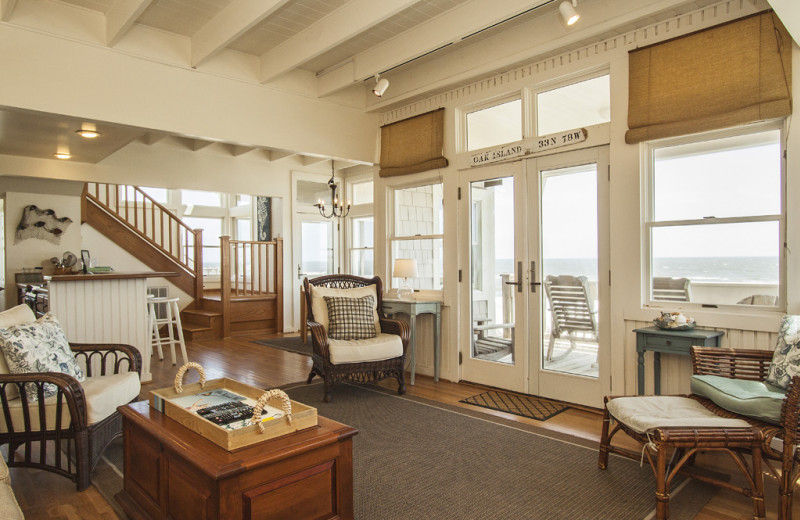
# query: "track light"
380,85
568,11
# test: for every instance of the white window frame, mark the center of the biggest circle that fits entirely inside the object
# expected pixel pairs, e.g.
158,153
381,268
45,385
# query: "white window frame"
463,112
358,211
561,82
649,224
393,237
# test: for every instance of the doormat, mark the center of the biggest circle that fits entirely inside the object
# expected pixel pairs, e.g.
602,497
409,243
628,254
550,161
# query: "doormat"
523,405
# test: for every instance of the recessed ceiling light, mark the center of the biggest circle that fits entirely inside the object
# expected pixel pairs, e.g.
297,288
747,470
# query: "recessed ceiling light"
61,155
88,134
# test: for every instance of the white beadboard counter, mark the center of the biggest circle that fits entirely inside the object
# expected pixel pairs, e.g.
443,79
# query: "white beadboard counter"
105,308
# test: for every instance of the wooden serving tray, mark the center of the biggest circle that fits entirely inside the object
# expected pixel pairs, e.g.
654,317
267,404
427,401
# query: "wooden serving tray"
302,416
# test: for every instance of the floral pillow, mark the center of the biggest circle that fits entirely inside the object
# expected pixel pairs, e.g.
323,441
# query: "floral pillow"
786,360
39,347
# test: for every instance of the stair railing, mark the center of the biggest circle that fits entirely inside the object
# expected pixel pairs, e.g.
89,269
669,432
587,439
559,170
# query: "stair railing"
250,268
153,223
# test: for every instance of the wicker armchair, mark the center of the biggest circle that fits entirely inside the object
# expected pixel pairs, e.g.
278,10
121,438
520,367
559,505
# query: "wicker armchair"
366,371
780,442
64,441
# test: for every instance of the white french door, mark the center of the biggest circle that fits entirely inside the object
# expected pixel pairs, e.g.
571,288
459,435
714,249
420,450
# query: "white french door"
534,307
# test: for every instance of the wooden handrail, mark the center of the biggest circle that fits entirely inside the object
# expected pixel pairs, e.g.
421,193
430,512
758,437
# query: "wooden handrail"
178,241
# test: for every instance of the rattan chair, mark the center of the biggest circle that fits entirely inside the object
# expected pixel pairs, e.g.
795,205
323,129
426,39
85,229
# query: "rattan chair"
780,441
363,372
73,447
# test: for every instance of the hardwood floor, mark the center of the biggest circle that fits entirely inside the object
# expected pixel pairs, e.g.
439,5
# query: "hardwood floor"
256,365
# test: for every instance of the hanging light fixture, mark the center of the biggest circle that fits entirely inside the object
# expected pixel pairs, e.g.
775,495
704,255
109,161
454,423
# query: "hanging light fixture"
568,11
338,209
380,85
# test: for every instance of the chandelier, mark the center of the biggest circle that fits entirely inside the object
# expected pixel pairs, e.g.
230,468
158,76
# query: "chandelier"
338,209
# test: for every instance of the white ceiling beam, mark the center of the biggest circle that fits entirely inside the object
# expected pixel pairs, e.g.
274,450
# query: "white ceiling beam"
461,21
277,155
237,150
6,9
153,136
198,144
120,18
233,21
308,160
341,25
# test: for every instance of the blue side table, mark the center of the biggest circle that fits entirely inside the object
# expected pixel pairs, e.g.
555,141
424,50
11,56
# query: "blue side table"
678,342
393,306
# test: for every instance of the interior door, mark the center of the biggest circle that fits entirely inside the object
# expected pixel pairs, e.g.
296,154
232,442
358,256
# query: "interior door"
315,244
494,350
568,254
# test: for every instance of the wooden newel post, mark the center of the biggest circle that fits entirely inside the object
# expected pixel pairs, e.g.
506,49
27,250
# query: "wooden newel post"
225,284
279,284
198,266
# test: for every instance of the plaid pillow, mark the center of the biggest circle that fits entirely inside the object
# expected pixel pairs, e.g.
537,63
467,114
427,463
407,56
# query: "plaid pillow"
350,318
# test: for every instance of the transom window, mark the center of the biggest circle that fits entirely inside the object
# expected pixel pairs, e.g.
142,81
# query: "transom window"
497,124
572,106
715,223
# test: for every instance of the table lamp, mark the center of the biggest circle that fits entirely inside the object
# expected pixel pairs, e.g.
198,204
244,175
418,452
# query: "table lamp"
405,268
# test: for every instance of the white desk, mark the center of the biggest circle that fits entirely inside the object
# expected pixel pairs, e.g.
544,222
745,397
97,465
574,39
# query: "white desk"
392,306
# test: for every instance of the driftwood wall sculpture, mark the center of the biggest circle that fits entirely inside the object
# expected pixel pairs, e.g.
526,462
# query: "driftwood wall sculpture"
42,224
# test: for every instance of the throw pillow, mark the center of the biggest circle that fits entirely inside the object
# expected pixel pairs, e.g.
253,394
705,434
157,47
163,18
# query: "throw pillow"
39,347
786,359
350,318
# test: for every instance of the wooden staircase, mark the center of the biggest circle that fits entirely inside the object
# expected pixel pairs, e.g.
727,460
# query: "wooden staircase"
250,298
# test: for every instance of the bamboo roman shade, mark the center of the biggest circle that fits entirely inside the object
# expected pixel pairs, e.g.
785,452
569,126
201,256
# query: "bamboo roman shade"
413,145
720,77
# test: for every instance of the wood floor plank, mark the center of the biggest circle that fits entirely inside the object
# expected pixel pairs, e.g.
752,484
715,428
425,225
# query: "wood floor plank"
46,496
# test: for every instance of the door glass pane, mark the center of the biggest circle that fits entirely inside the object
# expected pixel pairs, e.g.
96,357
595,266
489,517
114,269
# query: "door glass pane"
492,265
316,252
569,272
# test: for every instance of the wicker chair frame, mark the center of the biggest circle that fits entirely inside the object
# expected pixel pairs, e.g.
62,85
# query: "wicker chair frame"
70,451
779,441
681,444
367,372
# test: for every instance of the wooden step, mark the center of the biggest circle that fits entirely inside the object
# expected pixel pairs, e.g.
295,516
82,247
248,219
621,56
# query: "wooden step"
202,317
198,332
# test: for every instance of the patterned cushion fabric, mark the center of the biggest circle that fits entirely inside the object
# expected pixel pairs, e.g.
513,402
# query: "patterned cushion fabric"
39,347
350,318
19,315
786,360
320,309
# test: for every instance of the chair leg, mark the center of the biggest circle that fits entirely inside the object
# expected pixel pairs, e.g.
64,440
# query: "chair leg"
662,493
83,467
328,389
602,463
550,346
170,321
401,382
179,326
310,376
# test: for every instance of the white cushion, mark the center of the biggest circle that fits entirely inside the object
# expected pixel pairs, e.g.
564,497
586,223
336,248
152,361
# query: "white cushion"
5,476
382,346
9,507
644,414
103,395
19,315
320,309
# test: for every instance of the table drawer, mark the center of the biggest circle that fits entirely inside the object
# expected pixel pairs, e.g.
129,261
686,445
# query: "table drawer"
667,343
394,308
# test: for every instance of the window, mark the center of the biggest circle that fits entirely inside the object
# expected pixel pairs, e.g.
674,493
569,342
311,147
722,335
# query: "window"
494,125
417,233
160,195
362,247
574,106
715,225
243,229
201,198
212,230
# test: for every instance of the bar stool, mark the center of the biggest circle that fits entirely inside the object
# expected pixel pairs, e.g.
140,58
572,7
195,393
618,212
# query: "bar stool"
173,318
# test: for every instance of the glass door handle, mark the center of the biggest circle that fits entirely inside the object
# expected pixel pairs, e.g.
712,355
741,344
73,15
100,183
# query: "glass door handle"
300,273
518,283
534,283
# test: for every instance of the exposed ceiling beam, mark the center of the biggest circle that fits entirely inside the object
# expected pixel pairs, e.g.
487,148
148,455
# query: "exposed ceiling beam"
307,160
229,24
120,18
198,144
153,136
6,8
277,155
343,24
462,21
237,150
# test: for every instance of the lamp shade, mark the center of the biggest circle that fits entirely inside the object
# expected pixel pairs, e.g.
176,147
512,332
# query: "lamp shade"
405,268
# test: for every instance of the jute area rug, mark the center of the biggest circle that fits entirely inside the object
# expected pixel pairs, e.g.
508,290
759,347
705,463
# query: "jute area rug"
418,459
292,344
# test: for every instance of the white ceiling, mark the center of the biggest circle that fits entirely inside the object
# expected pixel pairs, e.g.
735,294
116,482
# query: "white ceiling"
335,47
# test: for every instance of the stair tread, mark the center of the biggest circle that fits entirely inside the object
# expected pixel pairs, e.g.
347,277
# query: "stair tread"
201,312
193,328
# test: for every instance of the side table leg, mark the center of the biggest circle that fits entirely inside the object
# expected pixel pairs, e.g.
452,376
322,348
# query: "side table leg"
437,347
412,321
640,363
657,373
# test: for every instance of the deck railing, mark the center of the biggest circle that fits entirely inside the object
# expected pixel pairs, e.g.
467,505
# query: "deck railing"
154,223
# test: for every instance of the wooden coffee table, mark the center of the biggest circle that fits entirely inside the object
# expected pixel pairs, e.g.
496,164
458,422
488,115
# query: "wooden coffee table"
172,472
